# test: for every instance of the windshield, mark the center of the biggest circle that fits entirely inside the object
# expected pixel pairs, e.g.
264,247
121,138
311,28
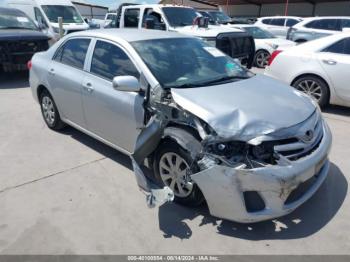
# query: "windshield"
258,33
16,21
68,13
188,62
220,17
179,16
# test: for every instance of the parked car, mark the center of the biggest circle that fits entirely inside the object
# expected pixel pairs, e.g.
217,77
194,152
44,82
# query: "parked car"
186,20
319,68
278,25
201,119
46,13
20,38
265,43
316,27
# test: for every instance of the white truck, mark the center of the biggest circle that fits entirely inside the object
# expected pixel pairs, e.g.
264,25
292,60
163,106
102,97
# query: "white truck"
46,13
186,20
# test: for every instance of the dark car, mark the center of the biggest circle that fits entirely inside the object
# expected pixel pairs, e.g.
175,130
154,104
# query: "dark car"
20,39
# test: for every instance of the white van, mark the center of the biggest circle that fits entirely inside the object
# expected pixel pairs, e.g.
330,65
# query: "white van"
46,13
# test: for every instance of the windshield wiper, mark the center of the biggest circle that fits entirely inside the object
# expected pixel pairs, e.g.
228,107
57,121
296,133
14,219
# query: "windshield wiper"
224,79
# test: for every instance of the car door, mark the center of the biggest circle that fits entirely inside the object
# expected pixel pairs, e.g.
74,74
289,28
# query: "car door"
113,115
65,77
335,60
323,27
277,27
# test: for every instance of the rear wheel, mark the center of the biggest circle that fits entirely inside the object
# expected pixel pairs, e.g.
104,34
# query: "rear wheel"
261,58
49,111
314,87
173,167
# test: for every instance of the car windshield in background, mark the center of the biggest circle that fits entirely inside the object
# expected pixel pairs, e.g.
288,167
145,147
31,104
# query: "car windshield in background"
258,33
179,16
68,13
16,21
220,17
188,62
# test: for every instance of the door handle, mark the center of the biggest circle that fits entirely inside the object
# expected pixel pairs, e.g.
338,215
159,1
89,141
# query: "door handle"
329,61
52,72
88,87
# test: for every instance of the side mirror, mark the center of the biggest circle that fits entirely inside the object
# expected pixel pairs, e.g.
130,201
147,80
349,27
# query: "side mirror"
150,23
126,84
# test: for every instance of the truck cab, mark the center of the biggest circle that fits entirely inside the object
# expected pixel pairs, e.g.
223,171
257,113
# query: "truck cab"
186,20
46,12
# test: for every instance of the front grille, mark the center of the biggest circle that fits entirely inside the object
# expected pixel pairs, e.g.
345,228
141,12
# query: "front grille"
238,45
299,148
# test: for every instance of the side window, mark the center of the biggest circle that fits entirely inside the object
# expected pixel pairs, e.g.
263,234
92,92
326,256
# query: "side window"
311,24
73,53
340,47
131,17
39,17
345,23
328,24
266,21
292,22
278,21
109,61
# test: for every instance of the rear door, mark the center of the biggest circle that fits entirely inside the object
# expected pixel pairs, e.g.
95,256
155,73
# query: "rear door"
323,27
335,60
277,27
65,76
113,115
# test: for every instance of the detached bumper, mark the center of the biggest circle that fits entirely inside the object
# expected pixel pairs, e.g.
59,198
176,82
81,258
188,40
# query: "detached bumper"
281,189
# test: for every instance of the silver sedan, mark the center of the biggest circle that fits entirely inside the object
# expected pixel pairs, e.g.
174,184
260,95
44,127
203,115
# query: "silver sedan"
251,147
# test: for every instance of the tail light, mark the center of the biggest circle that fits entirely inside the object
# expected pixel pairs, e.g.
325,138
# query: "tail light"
29,65
273,56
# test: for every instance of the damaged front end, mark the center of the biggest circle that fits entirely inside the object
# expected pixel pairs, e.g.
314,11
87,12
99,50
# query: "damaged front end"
245,176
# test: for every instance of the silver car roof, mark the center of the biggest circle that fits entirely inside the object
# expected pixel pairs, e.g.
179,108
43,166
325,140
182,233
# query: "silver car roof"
129,35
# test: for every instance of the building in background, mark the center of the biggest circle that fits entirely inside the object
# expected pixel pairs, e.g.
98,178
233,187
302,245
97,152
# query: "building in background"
257,8
90,11
198,4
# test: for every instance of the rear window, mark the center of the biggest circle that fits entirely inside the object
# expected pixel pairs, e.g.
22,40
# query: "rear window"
131,17
73,53
346,23
292,22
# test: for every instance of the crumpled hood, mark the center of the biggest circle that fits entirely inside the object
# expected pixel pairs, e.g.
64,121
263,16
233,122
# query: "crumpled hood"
247,108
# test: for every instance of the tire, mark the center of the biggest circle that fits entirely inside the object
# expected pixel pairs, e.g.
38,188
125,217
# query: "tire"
171,151
49,111
315,87
261,58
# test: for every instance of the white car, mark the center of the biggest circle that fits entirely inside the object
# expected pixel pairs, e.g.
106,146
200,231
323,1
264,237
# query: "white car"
265,43
317,27
319,68
278,25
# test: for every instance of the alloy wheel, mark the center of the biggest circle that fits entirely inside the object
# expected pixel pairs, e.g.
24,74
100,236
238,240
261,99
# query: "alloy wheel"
48,110
173,170
311,88
262,59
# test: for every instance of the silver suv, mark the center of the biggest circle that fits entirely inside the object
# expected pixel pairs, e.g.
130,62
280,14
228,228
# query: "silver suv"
316,27
199,118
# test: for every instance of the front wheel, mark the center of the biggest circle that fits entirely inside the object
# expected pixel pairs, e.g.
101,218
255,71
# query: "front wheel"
173,167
